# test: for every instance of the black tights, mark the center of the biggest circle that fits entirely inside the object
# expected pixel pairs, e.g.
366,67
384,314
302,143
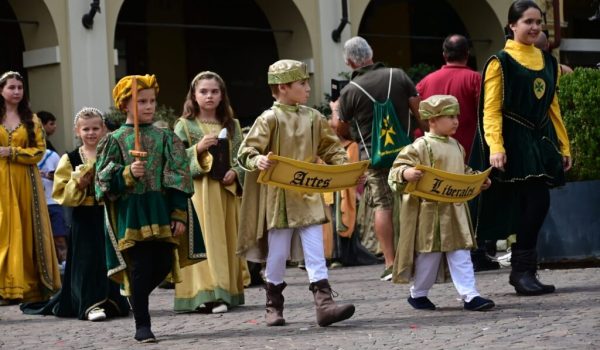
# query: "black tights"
150,262
534,202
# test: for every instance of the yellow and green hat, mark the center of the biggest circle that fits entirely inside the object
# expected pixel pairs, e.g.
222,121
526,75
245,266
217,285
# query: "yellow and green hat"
122,91
438,105
287,71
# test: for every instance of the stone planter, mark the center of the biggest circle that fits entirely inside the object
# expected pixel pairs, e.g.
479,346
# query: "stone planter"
571,232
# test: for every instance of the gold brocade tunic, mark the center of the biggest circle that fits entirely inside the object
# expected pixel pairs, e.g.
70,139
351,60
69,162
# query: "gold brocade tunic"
427,226
28,264
300,133
296,132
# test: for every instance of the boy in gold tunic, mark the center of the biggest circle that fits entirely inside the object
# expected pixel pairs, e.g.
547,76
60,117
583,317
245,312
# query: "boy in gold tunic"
429,228
295,131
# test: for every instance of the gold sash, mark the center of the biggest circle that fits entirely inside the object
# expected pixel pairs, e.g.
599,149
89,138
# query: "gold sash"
442,186
302,176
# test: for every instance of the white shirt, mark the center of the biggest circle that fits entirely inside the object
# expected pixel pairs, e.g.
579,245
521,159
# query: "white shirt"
48,164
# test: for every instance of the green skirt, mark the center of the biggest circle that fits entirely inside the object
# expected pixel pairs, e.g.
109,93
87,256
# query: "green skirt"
85,283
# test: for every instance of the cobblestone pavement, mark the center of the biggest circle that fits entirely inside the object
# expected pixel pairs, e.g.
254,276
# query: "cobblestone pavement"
567,319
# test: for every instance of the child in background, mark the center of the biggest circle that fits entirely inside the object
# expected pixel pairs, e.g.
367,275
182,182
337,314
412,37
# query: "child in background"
431,230
86,293
49,124
60,218
47,167
348,251
146,199
292,130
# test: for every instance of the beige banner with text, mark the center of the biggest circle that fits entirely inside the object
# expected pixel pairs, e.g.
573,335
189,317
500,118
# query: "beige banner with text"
442,186
302,176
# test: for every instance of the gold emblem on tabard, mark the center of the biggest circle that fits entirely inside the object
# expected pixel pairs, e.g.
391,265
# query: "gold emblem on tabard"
539,87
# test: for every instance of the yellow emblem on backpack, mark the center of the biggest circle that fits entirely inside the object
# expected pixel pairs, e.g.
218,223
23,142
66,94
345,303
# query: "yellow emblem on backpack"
387,131
539,87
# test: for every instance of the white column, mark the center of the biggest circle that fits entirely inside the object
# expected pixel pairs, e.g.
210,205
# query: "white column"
89,58
330,14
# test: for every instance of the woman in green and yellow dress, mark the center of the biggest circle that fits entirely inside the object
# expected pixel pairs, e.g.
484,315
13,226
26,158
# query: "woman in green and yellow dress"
522,136
216,284
28,264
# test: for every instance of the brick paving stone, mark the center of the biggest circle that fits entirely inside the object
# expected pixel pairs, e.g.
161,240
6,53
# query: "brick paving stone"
567,319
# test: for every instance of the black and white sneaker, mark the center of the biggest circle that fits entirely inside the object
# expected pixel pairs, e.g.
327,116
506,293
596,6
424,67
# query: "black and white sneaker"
387,274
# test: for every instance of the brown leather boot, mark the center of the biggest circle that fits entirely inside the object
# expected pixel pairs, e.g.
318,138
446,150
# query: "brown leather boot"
275,299
327,310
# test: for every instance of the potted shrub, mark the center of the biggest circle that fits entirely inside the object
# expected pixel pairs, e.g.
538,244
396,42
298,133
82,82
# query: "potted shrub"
571,232
115,118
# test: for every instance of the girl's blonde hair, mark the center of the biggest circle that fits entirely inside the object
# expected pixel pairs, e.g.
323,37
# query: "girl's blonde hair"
88,113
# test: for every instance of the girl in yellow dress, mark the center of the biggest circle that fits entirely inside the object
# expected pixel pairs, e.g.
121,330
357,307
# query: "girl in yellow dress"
216,284
28,264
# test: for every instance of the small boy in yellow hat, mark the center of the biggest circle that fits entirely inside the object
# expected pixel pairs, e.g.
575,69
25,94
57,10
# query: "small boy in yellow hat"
273,216
146,199
430,230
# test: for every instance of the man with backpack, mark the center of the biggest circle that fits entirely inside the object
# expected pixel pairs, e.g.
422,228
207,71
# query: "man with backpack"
377,103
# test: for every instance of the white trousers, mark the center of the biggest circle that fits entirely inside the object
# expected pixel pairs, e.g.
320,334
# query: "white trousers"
461,270
280,241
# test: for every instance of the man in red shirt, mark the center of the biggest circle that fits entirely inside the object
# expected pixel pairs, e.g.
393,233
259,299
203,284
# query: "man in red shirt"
457,79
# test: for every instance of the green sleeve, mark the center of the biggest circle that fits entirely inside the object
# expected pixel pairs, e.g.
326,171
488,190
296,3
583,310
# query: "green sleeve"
110,169
178,202
199,164
176,171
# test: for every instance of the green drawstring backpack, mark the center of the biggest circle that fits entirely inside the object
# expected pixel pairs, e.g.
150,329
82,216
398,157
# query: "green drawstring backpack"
387,136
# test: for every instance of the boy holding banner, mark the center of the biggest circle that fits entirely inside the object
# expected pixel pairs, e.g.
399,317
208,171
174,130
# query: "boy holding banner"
430,227
274,218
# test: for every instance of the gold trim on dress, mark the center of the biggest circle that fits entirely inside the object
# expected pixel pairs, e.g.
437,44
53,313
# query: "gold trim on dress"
112,237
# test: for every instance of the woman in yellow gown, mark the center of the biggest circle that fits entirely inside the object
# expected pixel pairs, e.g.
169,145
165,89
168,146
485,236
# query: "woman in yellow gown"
217,283
28,264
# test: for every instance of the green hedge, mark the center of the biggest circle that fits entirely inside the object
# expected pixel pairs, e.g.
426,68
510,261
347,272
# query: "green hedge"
419,71
579,99
162,112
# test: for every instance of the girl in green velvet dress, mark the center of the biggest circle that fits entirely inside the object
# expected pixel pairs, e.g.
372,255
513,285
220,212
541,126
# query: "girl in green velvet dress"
86,291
